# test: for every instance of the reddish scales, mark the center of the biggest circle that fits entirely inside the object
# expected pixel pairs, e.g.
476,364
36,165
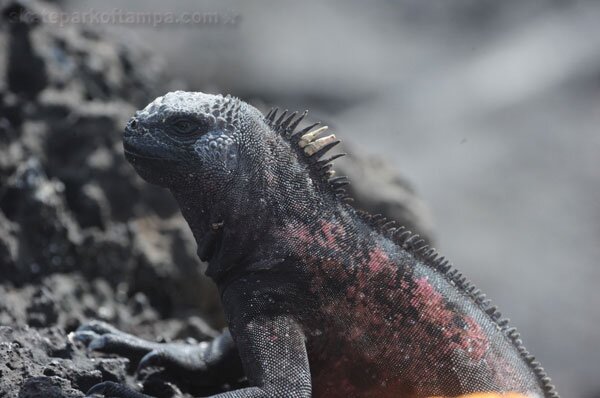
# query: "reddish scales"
380,320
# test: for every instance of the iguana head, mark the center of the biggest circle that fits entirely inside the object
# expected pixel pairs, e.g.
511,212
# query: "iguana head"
226,161
187,140
191,141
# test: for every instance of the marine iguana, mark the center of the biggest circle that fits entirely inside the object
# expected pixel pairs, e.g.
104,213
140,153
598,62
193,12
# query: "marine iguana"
321,299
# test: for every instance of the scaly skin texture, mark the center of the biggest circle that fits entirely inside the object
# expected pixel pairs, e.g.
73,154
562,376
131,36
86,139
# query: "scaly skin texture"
321,300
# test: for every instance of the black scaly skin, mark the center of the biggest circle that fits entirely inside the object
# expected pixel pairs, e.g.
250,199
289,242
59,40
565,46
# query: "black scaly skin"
321,300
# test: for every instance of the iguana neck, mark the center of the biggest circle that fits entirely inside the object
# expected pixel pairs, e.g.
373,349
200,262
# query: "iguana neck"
239,236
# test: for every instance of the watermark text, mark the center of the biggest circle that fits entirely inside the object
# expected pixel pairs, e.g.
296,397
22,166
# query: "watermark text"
122,17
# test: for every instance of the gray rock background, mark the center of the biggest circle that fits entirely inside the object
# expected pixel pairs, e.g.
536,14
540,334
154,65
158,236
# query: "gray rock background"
491,108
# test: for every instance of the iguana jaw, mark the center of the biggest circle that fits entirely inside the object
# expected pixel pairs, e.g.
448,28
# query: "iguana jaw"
140,142
133,153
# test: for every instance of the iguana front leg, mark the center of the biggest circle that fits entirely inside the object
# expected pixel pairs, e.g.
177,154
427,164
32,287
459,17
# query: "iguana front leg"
208,363
274,358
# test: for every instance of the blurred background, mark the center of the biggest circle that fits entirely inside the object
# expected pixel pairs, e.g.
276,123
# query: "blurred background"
491,109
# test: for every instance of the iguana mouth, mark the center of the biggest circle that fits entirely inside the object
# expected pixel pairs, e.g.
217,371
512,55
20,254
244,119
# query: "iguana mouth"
139,155
135,152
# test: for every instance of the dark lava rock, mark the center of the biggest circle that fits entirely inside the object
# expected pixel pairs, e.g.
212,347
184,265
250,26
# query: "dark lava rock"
48,387
42,311
46,234
43,363
26,70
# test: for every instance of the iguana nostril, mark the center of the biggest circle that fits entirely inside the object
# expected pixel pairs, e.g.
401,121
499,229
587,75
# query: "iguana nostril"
133,123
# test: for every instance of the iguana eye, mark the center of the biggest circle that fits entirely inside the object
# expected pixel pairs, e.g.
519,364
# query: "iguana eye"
184,126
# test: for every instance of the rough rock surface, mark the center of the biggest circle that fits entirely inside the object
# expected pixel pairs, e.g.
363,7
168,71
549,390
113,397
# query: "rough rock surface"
81,236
